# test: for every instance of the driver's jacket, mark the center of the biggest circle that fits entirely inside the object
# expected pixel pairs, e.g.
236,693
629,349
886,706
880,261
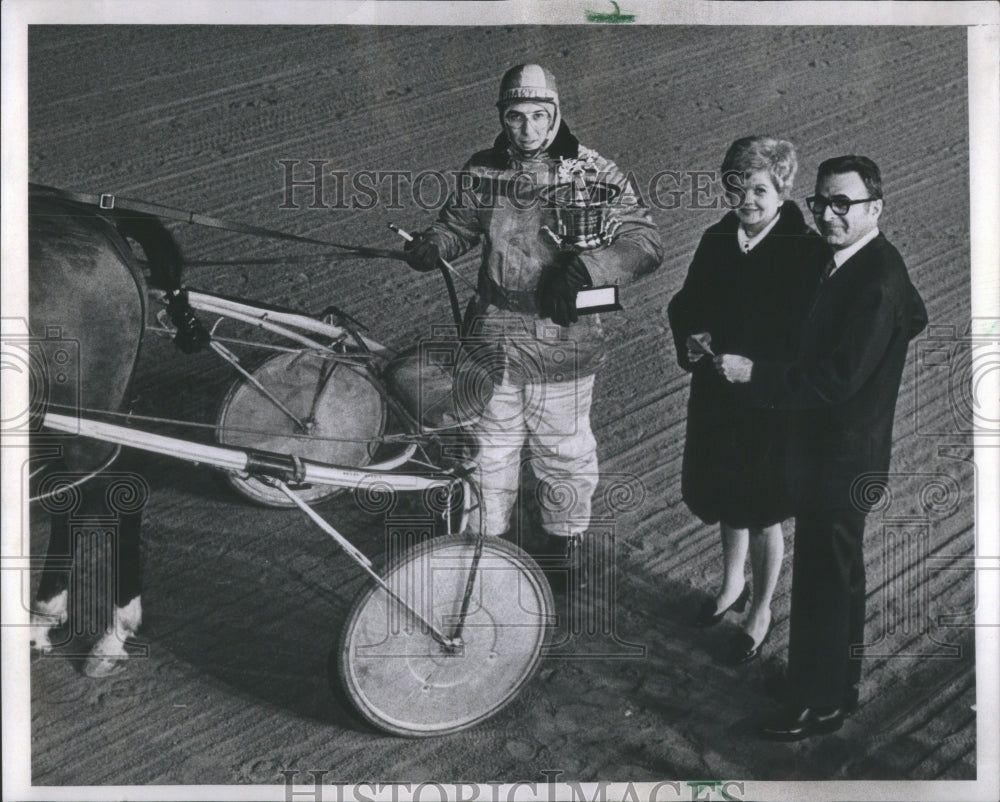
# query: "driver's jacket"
496,202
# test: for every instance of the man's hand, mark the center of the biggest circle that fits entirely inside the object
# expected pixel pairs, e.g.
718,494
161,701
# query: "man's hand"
733,368
558,286
699,345
423,252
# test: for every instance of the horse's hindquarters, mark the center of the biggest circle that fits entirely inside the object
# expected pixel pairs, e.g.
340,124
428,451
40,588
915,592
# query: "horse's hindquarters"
86,314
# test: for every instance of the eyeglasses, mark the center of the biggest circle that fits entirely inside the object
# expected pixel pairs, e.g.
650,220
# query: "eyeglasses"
516,119
840,204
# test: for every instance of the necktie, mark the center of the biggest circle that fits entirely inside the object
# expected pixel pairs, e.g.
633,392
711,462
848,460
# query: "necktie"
828,268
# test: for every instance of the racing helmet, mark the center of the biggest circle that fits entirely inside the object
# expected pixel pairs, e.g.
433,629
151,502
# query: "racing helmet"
531,83
528,82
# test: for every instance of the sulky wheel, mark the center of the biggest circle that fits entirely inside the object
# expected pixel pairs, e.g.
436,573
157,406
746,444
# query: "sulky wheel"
402,680
343,414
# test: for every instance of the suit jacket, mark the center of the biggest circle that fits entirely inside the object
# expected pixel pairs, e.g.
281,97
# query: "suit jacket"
843,383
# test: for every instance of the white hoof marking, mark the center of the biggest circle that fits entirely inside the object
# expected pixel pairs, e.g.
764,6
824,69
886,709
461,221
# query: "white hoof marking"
46,616
108,655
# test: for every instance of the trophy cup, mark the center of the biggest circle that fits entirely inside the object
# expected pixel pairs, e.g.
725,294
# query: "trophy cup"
584,222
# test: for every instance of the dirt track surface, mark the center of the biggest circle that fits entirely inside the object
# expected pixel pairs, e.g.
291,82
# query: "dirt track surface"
243,604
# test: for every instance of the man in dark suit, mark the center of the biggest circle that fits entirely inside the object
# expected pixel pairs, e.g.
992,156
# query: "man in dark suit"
841,390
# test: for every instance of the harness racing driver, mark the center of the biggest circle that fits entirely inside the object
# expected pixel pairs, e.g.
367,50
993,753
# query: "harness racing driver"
526,306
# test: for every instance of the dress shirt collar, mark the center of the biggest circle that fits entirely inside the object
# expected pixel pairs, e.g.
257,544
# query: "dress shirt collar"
748,243
839,257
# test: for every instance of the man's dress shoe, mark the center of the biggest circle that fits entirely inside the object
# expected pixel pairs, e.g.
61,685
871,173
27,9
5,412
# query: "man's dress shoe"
795,723
776,686
708,617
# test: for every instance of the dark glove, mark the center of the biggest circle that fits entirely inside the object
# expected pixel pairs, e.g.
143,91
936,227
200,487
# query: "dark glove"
423,252
191,336
558,286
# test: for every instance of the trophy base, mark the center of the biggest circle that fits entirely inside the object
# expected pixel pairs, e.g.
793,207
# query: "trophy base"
598,299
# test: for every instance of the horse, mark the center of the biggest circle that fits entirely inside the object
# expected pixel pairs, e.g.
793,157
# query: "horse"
88,293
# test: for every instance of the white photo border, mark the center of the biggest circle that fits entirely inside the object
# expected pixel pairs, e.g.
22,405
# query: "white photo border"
981,19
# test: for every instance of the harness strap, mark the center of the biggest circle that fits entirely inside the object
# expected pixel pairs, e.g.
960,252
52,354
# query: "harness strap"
109,202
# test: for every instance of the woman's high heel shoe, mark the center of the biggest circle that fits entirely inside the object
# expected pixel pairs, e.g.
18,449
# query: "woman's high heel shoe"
744,649
707,615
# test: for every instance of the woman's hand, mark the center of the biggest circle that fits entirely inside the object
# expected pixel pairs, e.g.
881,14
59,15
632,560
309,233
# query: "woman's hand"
734,369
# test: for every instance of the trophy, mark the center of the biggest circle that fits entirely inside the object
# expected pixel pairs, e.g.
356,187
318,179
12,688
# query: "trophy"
584,222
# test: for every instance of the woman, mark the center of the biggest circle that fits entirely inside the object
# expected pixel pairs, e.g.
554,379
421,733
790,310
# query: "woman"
746,292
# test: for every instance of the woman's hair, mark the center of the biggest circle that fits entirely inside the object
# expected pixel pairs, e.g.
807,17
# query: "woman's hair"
774,156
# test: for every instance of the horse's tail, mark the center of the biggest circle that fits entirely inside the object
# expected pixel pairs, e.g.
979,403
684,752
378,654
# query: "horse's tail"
166,262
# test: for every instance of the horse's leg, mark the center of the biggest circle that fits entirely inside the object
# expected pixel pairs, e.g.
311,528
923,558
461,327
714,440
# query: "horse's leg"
108,655
124,496
50,609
